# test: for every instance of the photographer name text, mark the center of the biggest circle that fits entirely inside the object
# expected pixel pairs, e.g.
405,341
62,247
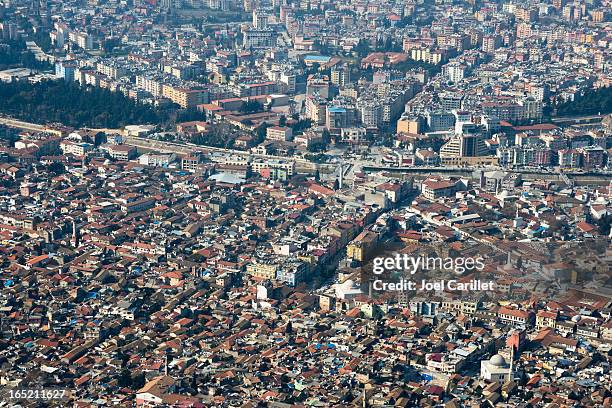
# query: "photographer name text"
433,285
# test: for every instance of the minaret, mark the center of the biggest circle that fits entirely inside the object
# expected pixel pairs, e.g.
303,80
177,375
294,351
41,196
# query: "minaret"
510,374
50,321
518,221
75,235
364,403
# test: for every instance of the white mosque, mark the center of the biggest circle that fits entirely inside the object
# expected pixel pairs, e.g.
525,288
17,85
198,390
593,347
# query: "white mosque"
496,369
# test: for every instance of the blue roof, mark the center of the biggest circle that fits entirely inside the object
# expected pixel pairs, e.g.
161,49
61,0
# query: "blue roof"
336,109
426,377
321,58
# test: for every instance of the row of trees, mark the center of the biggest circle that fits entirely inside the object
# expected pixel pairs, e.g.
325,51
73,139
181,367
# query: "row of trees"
70,104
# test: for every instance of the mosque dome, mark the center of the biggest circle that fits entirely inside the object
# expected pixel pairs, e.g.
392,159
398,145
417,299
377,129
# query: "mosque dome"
498,360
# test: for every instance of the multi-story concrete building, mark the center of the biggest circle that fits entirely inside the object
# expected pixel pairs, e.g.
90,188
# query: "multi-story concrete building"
150,84
454,71
371,113
525,156
316,109
254,89
281,133
593,156
464,146
435,187
120,152
111,69
288,166
156,160
353,135
570,158
258,38
340,76
439,120
289,80
263,270
410,124
292,272
490,43
338,117
65,69
185,97
77,149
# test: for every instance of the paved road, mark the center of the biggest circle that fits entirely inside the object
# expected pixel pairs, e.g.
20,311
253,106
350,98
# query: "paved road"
24,125
577,118
466,171
187,148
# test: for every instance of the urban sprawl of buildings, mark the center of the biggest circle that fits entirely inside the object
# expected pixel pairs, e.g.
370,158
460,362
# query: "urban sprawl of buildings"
220,261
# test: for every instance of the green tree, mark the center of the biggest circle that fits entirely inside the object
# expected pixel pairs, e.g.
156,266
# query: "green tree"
139,381
67,103
604,224
362,48
261,131
301,125
56,168
591,102
125,378
250,107
188,115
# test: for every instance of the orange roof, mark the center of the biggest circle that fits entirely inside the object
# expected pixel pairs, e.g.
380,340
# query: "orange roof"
585,226
38,259
319,189
540,126
513,312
